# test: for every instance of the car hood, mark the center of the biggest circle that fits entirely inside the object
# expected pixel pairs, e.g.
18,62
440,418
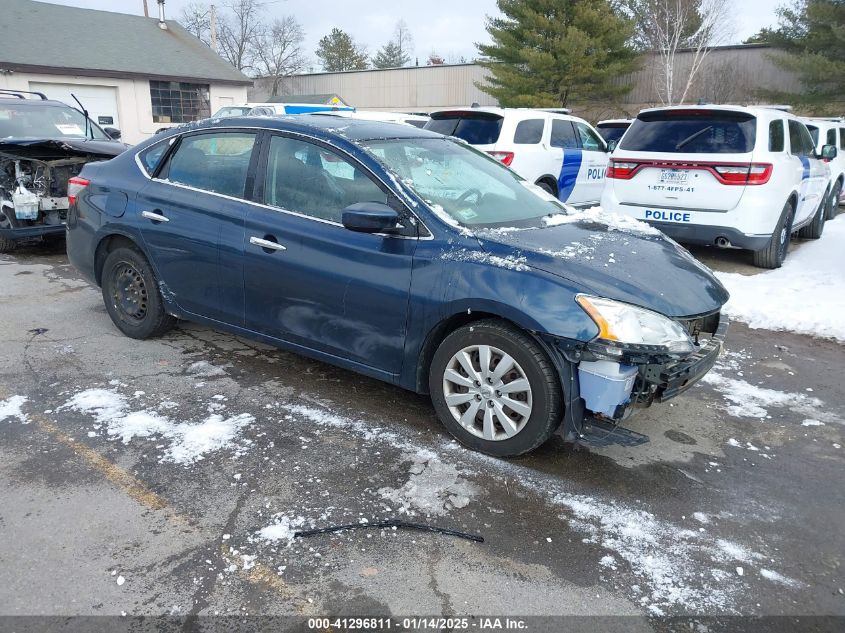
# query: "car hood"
630,262
46,149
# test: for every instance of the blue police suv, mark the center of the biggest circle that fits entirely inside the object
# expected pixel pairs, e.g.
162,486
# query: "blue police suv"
404,255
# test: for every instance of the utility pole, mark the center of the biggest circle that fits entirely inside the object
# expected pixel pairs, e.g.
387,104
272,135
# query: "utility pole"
146,10
213,28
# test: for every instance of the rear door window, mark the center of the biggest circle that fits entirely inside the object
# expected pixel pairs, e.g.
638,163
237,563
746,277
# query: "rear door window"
479,128
216,162
563,134
590,141
831,137
800,141
692,132
776,136
814,133
842,138
529,132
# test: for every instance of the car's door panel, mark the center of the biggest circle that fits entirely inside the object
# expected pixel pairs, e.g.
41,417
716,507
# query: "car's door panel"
330,289
194,236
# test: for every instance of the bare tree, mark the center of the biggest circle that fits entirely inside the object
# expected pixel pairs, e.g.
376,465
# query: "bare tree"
196,18
403,39
669,26
279,51
239,31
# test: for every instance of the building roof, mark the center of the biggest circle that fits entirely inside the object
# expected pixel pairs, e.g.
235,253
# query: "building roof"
56,39
326,98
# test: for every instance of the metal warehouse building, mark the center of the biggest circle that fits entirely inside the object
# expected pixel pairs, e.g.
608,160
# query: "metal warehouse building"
728,74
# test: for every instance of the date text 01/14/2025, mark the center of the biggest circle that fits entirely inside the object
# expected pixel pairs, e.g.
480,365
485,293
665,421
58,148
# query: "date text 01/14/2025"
457,625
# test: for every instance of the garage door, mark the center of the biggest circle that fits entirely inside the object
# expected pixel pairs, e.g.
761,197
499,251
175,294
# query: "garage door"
100,101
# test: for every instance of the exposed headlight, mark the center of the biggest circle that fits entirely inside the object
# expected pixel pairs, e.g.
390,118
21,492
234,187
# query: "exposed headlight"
624,326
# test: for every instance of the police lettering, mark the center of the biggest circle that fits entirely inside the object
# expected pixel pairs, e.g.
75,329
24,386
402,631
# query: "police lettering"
667,216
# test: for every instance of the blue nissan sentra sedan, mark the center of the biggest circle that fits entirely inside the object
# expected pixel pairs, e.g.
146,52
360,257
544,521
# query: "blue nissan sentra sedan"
403,255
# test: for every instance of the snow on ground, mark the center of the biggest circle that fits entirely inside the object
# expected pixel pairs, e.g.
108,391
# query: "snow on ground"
752,401
282,529
189,441
13,408
433,488
806,295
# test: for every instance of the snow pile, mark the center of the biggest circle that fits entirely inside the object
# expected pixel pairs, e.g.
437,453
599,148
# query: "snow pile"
774,576
750,401
190,442
511,262
13,408
806,295
597,215
433,488
282,529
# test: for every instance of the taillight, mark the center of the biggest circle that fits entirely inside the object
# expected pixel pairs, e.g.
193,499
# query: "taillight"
753,174
621,170
74,187
506,158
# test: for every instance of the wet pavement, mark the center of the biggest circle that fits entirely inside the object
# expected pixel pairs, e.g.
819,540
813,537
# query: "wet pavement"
736,505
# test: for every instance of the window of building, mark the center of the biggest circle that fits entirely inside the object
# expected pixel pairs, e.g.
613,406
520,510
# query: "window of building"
179,101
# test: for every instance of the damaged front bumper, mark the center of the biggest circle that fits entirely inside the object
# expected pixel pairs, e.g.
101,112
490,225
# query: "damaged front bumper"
600,393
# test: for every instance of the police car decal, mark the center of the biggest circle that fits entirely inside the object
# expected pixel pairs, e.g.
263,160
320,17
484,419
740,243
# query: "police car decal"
667,216
569,172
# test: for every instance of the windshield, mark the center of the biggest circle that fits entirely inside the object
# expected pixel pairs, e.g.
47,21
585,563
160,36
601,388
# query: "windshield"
469,186
45,121
231,111
692,132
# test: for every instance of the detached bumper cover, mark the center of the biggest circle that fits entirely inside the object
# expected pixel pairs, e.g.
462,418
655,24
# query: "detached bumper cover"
676,378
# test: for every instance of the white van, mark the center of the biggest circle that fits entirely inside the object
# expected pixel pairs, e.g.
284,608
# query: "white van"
831,132
726,175
559,152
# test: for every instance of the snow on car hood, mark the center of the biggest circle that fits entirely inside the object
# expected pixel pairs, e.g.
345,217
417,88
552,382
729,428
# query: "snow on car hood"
616,257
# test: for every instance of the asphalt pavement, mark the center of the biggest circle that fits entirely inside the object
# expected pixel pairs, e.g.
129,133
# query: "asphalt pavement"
735,506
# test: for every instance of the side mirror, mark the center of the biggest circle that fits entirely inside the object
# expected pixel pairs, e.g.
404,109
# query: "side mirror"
829,152
113,132
611,145
370,217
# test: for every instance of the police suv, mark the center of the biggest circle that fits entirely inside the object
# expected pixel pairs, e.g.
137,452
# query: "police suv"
831,132
561,153
733,176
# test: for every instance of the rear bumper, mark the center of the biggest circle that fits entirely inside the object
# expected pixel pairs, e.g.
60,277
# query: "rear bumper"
708,235
32,232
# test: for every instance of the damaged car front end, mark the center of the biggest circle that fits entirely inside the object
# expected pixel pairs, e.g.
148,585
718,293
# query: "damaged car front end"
43,144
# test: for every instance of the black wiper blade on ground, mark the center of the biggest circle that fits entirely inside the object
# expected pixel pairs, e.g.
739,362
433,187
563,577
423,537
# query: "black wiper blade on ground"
692,137
392,523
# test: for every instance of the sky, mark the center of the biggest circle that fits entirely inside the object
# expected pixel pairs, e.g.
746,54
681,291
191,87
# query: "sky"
449,27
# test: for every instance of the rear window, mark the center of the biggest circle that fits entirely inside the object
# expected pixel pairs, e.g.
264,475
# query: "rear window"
692,132
613,133
528,132
476,128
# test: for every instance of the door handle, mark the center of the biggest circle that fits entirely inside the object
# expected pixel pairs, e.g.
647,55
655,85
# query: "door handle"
268,244
155,217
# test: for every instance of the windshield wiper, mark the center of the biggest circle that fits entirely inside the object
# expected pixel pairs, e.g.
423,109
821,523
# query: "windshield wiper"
88,129
692,137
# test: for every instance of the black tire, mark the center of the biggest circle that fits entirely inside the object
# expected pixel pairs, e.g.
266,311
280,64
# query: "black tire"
131,295
6,245
532,363
833,206
773,255
815,228
545,186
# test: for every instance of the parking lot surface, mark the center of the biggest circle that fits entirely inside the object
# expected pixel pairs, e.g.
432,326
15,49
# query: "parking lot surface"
167,477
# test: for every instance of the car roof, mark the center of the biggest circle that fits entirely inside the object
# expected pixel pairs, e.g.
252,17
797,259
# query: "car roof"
325,123
33,102
761,111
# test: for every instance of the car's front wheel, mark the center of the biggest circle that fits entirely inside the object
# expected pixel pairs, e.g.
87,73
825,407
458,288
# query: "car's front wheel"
815,228
131,295
775,252
495,389
833,206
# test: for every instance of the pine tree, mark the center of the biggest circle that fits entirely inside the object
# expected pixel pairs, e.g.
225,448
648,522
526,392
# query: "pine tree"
390,56
551,53
337,51
810,38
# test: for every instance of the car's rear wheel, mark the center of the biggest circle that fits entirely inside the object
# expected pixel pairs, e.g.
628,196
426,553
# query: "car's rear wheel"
495,389
131,295
833,206
815,228
6,245
547,187
775,252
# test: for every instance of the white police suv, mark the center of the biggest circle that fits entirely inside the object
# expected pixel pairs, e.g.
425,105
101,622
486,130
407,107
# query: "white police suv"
831,132
561,153
733,176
